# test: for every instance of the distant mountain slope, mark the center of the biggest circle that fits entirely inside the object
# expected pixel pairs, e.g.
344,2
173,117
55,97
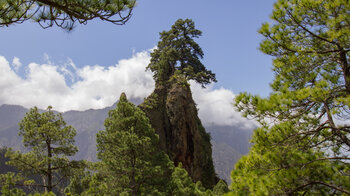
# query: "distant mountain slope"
237,137
87,123
224,157
10,116
229,142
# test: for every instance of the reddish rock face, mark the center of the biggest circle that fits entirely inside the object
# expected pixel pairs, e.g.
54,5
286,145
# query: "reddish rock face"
173,114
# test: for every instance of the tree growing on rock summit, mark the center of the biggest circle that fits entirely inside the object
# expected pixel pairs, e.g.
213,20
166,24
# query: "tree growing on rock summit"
177,52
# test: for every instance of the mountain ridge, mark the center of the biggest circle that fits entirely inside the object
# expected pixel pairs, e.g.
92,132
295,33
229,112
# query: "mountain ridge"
229,142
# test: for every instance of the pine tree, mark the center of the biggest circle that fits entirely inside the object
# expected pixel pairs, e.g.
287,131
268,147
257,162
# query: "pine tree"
64,14
131,162
181,183
177,52
51,142
303,145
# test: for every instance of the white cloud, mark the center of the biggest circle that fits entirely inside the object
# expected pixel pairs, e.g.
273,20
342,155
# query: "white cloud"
16,63
216,106
98,87
68,69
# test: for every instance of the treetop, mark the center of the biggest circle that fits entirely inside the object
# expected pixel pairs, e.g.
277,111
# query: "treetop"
178,53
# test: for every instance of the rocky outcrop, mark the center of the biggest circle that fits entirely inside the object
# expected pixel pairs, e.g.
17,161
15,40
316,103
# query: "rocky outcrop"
173,114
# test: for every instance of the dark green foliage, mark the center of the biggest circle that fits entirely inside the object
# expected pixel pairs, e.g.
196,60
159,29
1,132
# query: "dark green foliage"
80,181
274,168
182,184
8,184
303,145
178,53
130,159
4,168
206,162
220,188
51,142
64,14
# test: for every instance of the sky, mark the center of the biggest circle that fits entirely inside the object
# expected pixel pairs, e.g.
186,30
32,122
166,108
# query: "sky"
90,66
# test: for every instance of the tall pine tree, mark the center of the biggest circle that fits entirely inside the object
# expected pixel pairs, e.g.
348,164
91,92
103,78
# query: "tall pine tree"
51,143
131,162
177,52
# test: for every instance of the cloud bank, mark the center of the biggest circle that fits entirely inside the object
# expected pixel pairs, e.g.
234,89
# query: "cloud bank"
67,87
216,107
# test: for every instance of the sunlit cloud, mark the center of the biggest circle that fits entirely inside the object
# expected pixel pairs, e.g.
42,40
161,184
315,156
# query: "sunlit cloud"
69,87
16,64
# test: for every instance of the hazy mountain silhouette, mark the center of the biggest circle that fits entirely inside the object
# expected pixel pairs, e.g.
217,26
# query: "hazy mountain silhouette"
229,142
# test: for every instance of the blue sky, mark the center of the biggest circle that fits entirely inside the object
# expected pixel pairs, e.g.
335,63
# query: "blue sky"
230,39
230,43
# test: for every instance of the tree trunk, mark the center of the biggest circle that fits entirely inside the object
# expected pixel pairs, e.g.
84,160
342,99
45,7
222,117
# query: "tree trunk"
49,169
